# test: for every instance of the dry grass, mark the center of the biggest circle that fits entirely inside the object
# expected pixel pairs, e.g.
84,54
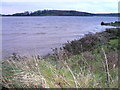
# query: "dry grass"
74,72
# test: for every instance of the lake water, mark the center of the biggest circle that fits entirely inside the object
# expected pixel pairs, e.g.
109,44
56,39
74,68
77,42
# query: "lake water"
37,35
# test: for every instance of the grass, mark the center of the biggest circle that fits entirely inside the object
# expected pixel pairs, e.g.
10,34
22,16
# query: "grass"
77,71
114,43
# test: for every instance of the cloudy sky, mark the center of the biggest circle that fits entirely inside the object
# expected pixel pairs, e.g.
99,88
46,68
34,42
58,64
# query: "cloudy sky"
92,6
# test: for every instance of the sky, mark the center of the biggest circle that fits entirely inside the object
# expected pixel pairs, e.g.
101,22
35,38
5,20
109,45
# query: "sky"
92,6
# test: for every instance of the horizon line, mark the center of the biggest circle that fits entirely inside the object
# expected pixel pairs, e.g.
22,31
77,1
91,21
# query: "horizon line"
61,10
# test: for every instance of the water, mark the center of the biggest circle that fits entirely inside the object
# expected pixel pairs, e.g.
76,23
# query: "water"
37,35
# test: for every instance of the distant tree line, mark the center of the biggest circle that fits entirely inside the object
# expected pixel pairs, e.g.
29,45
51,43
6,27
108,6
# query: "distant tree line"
59,13
52,13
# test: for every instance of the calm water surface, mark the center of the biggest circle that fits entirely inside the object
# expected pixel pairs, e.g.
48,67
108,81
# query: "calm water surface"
37,35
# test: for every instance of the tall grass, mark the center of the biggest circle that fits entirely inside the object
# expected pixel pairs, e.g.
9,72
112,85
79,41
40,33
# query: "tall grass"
74,72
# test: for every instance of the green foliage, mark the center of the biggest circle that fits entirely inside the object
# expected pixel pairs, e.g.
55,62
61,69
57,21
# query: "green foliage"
87,68
53,13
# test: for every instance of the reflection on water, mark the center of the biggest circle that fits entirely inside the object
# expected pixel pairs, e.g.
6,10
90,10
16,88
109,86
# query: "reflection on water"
37,35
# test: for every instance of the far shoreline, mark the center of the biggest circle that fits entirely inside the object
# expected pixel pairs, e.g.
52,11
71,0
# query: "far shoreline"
60,16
